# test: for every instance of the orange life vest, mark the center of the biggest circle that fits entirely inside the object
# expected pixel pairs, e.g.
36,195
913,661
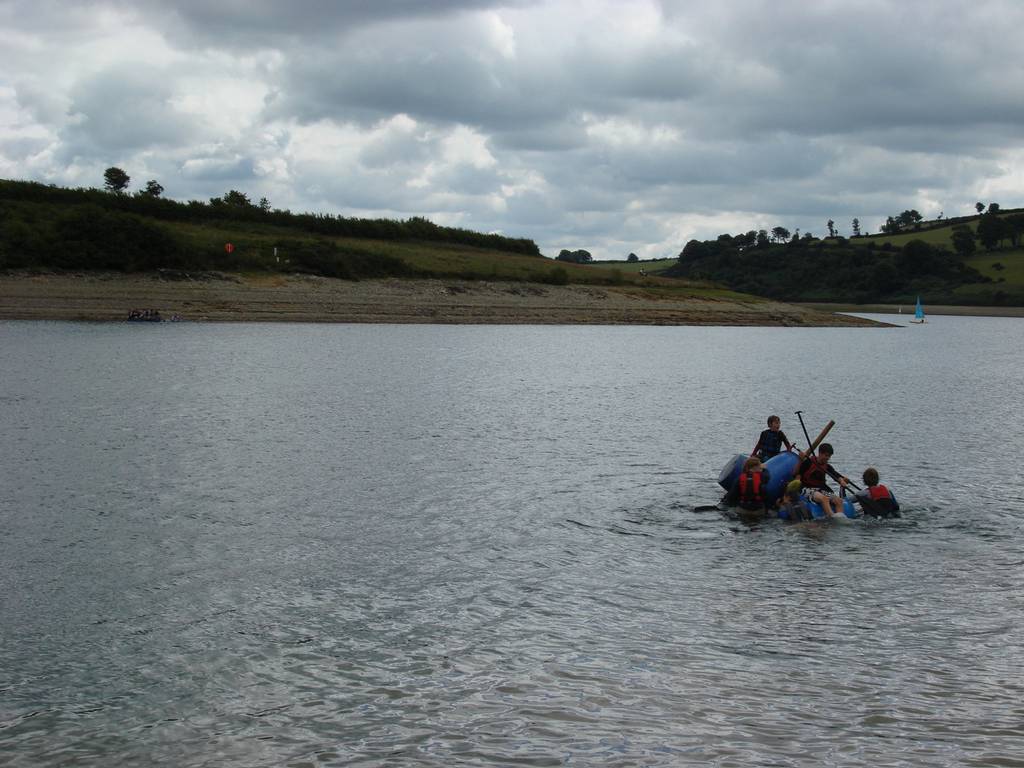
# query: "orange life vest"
752,488
879,492
880,502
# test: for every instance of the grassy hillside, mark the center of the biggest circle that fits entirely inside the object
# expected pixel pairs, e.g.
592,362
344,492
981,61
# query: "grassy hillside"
50,228
651,267
884,268
1003,266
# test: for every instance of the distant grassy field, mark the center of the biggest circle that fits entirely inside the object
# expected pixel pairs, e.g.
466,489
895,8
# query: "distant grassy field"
449,260
1007,287
938,235
629,268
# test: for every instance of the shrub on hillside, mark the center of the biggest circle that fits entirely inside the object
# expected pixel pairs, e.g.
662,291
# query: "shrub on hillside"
89,237
325,258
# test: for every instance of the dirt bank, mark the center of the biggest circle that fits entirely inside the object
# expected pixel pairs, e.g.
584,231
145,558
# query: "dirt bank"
301,298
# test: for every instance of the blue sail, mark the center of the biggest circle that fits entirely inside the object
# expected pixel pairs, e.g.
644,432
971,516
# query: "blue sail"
919,312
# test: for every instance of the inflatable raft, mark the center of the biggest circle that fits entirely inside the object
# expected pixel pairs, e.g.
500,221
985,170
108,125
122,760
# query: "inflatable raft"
780,471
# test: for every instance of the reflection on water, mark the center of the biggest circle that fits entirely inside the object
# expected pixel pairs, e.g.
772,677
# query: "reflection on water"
304,545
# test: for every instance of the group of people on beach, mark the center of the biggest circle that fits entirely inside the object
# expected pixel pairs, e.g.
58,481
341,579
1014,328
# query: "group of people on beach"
809,482
150,316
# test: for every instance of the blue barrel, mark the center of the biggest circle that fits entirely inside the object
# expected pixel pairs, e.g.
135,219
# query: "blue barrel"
780,471
818,513
731,471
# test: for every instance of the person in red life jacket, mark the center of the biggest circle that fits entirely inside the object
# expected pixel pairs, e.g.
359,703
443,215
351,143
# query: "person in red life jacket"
750,487
771,440
812,471
876,500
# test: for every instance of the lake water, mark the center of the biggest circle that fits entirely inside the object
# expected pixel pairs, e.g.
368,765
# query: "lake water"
298,545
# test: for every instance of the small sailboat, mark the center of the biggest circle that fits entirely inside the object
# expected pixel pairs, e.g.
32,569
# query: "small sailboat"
918,312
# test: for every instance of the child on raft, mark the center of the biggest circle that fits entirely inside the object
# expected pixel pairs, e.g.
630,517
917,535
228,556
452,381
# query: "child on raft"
812,470
771,440
876,500
748,492
792,506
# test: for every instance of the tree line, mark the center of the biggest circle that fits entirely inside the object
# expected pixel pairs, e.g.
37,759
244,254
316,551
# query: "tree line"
88,237
817,270
236,206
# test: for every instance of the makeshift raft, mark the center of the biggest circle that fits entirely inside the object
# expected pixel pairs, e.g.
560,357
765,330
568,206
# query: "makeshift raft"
781,469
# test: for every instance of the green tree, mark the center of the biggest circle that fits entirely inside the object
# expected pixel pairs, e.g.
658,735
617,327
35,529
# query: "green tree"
780,234
884,278
115,180
153,188
919,258
991,231
963,241
831,228
238,199
909,219
856,227
1015,228
694,250
632,258
577,257
762,238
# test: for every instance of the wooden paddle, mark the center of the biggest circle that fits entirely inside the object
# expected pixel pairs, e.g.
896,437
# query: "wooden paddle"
819,438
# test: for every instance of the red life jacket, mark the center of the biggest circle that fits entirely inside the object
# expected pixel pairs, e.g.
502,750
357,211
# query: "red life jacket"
880,502
752,488
814,475
879,492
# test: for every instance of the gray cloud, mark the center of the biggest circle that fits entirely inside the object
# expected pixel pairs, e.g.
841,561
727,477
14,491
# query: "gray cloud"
614,126
241,23
122,110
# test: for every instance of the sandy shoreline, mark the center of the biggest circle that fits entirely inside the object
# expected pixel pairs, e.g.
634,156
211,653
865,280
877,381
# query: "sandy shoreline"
303,298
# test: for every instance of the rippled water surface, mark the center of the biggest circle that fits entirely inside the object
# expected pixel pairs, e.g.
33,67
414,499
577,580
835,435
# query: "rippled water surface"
264,545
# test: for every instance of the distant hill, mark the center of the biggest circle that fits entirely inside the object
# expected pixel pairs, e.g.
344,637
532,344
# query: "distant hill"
932,259
50,228
88,229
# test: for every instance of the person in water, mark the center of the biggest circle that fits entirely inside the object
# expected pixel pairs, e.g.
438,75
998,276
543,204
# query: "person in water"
812,470
750,489
876,500
792,507
771,440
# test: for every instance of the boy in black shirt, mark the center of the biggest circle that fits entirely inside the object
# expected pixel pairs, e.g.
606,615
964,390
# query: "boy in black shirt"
771,440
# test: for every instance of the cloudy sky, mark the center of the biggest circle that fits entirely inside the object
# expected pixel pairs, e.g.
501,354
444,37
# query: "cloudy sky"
620,126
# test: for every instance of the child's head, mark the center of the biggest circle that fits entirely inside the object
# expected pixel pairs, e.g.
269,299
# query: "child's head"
870,476
793,490
753,464
774,423
825,449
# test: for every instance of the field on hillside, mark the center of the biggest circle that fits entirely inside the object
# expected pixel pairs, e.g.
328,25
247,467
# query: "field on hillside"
431,259
629,268
1005,266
